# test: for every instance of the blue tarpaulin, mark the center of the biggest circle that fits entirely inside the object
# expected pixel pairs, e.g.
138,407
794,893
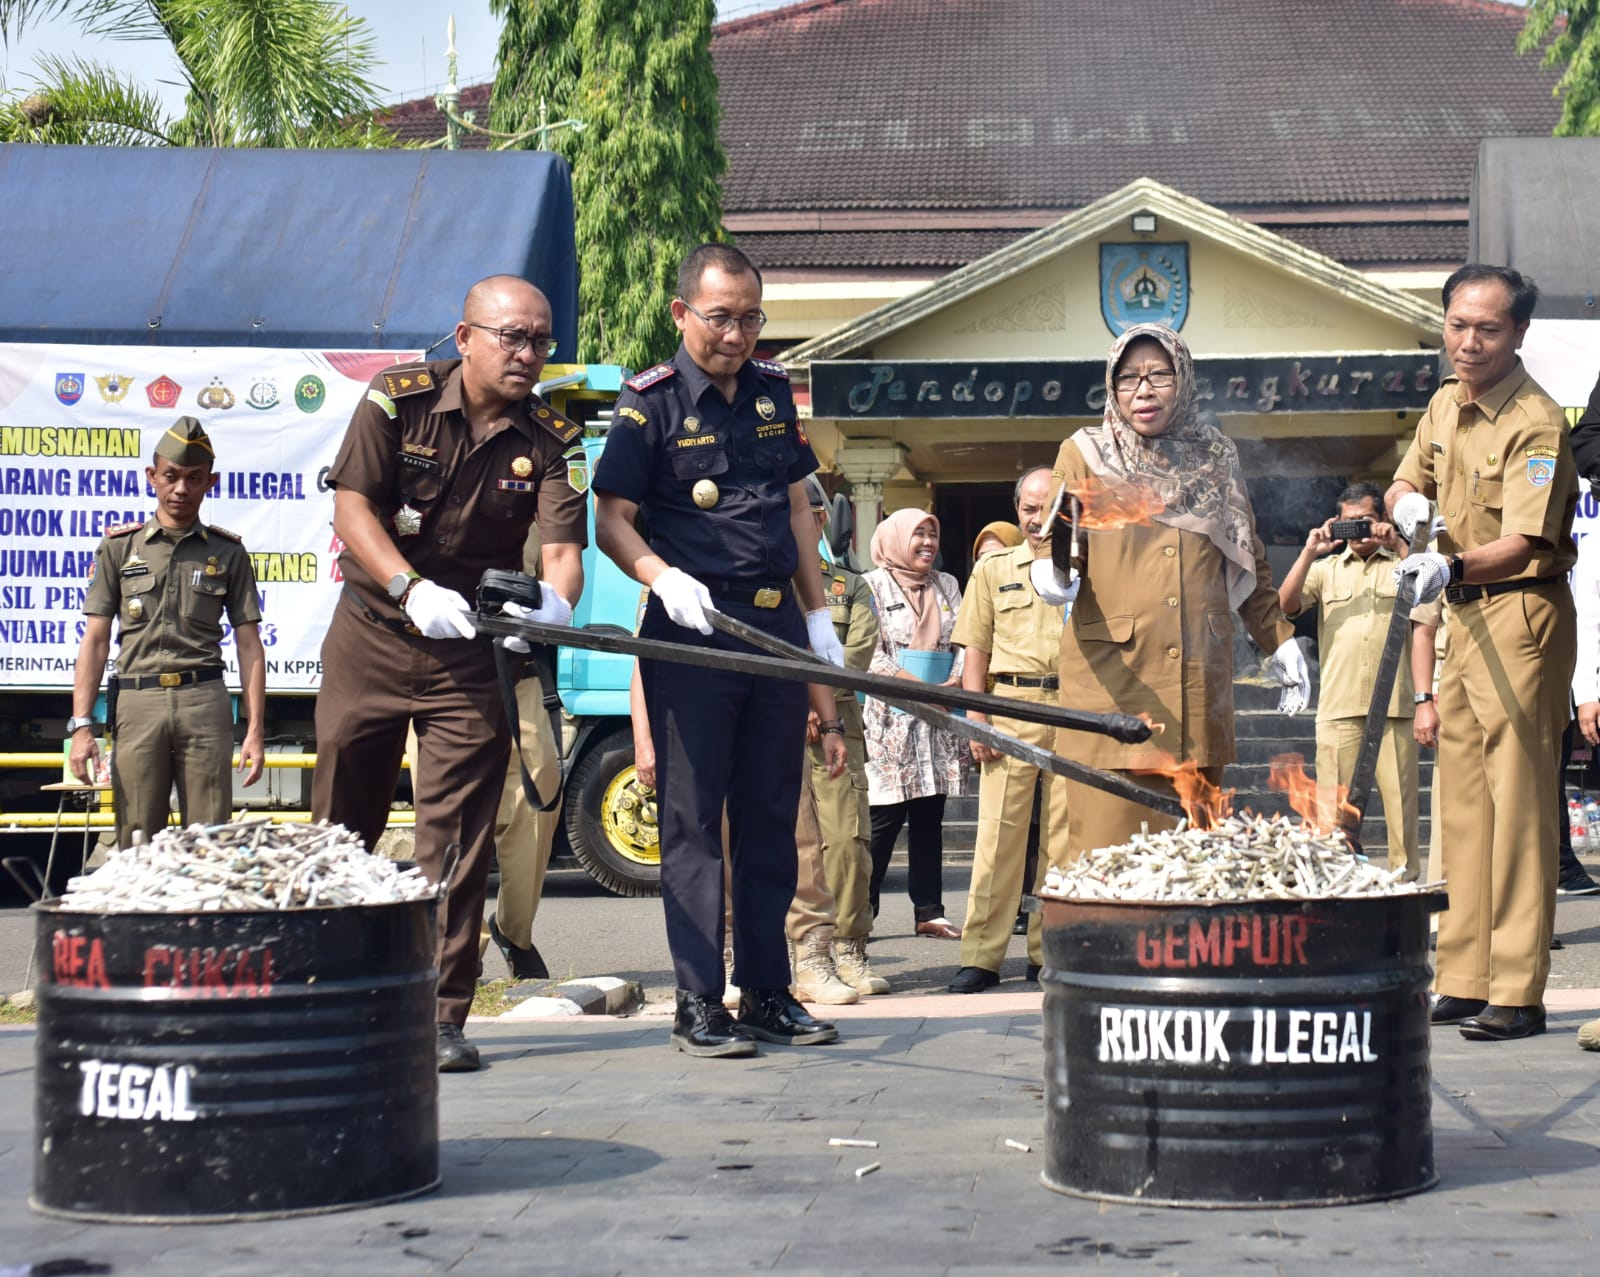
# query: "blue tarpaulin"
313,249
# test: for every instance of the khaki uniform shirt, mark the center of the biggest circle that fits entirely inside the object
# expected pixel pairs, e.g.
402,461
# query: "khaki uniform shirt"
854,620
1499,466
1001,615
1355,599
1152,633
456,509
168,588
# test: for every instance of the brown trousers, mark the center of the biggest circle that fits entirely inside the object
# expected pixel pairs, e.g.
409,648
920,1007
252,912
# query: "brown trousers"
374,682
167,736
846,821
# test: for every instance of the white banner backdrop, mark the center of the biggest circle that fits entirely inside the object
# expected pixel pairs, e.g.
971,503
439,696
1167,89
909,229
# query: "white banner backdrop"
78,425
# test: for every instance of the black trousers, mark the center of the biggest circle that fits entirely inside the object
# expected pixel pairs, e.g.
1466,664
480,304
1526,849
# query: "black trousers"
722,737
924,851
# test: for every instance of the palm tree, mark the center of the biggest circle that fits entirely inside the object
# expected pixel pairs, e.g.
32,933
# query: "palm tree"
276,73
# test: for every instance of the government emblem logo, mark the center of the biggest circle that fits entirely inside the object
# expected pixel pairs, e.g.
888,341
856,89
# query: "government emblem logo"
1144,284
114,387
263,393
522,467
766,408
577,468
163,392
309,393
1541,470
691,424
69,387
216,397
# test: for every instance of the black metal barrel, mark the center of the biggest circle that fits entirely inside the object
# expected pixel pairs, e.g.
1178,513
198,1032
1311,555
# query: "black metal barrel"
1270,1053
207,1066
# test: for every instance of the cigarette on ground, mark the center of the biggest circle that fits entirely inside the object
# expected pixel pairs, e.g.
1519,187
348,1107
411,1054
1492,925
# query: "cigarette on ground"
867,1169
1019,1146
836,1142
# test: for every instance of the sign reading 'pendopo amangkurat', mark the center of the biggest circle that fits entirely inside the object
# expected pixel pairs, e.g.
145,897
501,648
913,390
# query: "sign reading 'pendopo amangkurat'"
1374,381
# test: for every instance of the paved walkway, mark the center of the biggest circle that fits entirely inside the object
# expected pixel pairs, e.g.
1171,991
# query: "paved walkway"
588,1147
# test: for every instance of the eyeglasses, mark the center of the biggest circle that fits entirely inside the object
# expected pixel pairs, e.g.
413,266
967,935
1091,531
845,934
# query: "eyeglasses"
514,341
1161,379
754,322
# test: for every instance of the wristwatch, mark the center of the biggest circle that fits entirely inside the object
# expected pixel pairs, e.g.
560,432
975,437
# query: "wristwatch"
1458,569
1422,698
74,723
400,582
834,725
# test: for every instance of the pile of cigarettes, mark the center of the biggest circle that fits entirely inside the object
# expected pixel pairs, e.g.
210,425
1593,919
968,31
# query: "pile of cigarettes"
247,865
1240,857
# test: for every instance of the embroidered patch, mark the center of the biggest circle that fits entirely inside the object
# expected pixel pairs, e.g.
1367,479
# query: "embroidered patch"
577,468
1541,470
1542,450
415,462
374,395
514,485
633,414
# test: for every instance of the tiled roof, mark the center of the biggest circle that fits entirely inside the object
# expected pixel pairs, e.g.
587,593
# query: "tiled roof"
1385,243
823,249
420,121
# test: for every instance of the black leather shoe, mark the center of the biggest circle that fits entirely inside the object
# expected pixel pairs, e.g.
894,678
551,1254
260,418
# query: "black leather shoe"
1502,1024
704,1028
974,980
1449,1010
452,1050
1020,926
525,964
1033,970
774,1016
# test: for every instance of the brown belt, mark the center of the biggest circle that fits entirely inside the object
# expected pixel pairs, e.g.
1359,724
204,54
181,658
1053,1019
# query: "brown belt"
168,680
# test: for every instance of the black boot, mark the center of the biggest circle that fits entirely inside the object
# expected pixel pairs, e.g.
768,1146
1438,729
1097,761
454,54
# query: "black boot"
703,1027
774,1016
525,964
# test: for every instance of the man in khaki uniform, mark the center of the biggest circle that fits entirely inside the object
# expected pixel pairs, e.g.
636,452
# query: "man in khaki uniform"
1012,639
167,582
1354,593
843,814
1492,447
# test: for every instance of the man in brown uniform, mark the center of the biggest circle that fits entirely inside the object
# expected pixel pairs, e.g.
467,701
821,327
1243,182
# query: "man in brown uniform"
1012,639
1353,590
444,467
1492,447
167,582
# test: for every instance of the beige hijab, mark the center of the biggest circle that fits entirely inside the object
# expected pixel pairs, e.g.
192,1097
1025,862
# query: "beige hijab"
891,550
1192,466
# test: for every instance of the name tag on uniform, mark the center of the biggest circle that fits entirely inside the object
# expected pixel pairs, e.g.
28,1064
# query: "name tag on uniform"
1436,446
514,485
415,462
136,569
1015,585
894,607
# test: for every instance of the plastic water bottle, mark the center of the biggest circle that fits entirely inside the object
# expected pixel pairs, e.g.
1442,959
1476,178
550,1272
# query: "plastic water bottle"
1578,824
1591,820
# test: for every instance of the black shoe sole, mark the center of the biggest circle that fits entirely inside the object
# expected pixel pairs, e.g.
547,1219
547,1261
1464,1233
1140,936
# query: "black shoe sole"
460,1064
723,1050
525,964
812,1037
955,986
1474,1033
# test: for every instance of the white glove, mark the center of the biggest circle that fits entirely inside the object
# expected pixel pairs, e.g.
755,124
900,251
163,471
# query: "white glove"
1429,573
1409,511
686,600
439,613
824,638
1049,586
552,610
1295,677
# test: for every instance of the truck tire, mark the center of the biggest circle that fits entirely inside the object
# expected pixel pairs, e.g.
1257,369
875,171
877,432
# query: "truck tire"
611,819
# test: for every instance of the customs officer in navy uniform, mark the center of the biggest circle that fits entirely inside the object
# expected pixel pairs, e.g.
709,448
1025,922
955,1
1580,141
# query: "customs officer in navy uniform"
167,582
442,471
710,448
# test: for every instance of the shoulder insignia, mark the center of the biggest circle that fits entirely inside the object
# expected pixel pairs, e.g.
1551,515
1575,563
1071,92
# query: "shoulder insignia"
564,429
771,368
649,377
223,532
122,529
406,380
633,414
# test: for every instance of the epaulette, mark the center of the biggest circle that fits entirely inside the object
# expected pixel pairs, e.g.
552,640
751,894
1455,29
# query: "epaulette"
561,427
223,532
649,377
122,529
771,368
408,379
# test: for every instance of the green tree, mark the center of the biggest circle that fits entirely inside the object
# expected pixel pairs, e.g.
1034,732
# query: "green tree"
279,73
647,165
1569,31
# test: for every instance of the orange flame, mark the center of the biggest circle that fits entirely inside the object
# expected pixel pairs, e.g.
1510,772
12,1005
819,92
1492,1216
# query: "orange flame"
1104,508
1203,803
1306,798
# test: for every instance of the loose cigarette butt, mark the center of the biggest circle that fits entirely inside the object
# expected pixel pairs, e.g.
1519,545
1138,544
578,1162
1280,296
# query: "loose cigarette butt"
867,1169
1019,1146
836,1142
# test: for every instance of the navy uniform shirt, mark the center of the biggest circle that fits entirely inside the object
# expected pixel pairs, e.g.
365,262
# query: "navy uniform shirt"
672,429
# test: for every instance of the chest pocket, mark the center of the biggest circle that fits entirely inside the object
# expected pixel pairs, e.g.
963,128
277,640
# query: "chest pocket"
500,504
1015,617
691,464
1110,629
1486,493
839,613
773,454
203,599
138,601
418,485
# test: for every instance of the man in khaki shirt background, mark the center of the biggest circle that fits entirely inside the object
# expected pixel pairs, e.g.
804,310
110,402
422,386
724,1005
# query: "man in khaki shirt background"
1354,591
1012,639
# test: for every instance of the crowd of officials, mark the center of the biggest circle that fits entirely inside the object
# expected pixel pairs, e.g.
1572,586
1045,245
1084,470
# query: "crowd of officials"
780,803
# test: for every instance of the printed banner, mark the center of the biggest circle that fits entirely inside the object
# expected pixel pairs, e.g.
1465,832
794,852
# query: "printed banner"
78,425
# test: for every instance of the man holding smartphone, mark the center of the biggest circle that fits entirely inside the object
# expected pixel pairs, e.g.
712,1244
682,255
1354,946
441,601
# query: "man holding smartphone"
1347,571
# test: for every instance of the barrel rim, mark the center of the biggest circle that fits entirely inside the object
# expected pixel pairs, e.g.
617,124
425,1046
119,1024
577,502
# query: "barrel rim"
239,1217
1297,1203
55,908
1436,901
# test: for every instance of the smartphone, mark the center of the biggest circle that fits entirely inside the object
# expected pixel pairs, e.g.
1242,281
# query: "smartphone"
1351,529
